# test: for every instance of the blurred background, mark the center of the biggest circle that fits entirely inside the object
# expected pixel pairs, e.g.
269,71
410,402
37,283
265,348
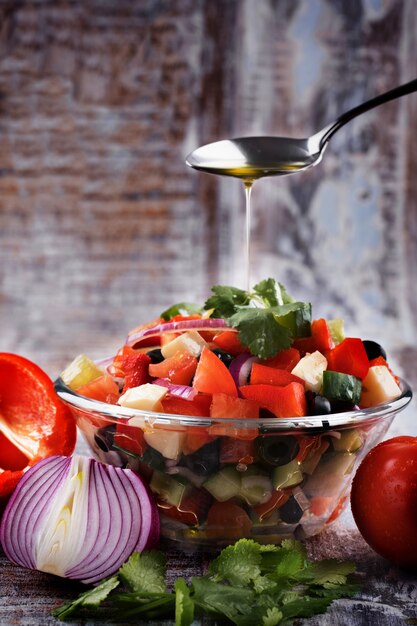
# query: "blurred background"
102,225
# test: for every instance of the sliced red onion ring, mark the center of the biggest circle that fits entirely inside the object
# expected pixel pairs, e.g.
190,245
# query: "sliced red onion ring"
211,323
180,391
78,518
240,368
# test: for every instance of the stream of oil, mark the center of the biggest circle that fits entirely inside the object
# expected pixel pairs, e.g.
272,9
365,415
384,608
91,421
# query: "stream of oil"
249,174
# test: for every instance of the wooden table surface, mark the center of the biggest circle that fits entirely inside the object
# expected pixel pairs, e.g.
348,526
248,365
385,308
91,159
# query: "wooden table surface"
388,596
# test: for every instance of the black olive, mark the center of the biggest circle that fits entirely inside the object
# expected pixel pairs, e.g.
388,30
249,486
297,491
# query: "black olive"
321,406
275,450
374,350
224,357
205,461
104,437
291,512
155,355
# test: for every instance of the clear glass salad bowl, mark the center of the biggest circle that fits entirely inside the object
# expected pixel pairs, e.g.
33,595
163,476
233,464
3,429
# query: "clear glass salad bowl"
216,480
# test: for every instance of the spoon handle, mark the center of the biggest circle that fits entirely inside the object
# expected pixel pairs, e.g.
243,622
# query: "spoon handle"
328,132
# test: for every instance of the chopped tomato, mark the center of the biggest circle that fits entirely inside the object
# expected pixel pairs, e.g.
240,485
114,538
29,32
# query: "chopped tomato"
278,498
284,360
103,389
234,450
288,401
130,438
212,376
178,368
349,357
196,438
227,520
135,368
34,422
192,509
265,375
319,505
228,340
224,406
340,507
116,369
321,338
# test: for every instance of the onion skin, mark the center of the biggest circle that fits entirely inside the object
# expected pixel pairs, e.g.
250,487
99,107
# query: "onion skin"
78,518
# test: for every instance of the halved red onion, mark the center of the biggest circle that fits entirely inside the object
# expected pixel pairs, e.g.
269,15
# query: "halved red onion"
78,518
240,368
180,391
211,323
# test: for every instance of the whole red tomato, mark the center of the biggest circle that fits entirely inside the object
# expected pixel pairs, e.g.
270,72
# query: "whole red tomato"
384,500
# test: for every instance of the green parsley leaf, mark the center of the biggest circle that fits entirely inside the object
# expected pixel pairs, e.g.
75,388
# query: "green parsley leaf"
260,332
184,606
144,572
272,617
330,572
181,308
225,300
90,599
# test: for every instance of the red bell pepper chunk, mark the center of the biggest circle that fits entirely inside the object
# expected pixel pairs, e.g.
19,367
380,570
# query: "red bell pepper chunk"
225,406
178,368
199,406
284,360
349,357
228,340
321,338
264,375
34,422
212,376
288,401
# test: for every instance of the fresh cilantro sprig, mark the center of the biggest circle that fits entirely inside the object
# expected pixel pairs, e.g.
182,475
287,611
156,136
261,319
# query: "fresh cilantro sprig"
267,318
248,584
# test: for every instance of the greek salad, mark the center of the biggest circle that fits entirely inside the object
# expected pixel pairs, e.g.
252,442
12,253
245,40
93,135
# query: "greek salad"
242,356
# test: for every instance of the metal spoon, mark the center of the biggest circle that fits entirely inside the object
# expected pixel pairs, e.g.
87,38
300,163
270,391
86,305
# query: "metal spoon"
250,158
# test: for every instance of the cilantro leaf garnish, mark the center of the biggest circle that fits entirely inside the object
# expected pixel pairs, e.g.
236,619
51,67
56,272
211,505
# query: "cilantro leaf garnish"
260,331
248,583
266,318
90,599
225,300
144,572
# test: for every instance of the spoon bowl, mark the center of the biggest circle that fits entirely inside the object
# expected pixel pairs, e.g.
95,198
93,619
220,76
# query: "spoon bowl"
250,158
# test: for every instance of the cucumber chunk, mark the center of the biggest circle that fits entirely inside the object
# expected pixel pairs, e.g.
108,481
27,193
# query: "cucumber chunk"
255,489
287,475
339,387
225,484
170,489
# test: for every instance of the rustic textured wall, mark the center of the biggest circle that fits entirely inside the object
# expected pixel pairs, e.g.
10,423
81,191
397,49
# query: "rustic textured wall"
101,223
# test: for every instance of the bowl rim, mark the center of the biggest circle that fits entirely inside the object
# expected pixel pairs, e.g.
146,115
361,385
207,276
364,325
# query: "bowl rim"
308,423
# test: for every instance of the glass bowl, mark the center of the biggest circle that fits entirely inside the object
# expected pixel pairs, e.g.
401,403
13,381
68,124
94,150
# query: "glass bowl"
217,480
